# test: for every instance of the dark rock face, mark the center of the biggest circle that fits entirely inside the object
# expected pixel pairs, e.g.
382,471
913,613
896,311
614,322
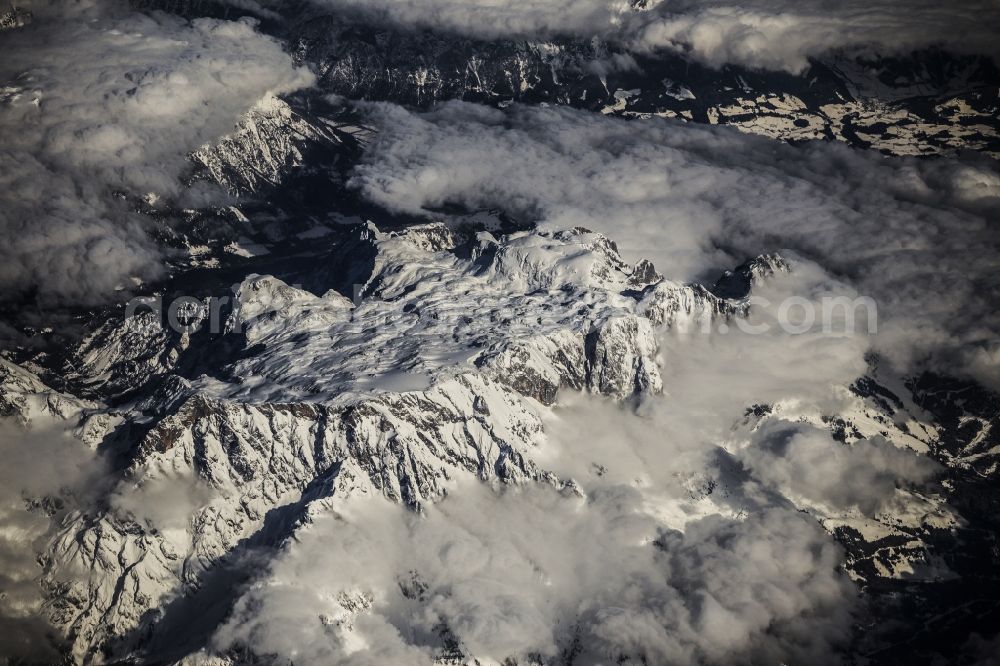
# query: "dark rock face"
927,103
969,416
850,101
738,283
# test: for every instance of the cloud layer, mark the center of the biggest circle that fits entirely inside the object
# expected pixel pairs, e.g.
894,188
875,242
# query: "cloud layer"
768,34
94,100
916,236
535,572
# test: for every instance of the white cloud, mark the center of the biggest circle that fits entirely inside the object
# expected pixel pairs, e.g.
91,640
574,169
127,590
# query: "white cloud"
806,463
770,34
163,503
784,34
97,99
533,571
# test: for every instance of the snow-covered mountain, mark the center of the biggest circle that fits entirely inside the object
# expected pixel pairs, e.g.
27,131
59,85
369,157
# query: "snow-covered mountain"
438,367
432,376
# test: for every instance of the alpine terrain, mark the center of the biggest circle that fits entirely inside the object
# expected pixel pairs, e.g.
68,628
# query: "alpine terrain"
441,332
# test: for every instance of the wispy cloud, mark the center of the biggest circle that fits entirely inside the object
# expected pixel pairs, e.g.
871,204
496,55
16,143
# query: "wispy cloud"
95,99
768,34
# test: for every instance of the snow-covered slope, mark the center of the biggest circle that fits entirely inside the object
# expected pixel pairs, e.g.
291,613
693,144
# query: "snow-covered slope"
436,374
271,140
27,400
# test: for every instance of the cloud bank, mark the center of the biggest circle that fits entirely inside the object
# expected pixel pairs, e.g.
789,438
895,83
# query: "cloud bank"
806,463
94,100
767,34
919,237
533,572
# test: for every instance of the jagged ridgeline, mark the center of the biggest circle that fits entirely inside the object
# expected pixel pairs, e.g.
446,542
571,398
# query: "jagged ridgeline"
928,103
